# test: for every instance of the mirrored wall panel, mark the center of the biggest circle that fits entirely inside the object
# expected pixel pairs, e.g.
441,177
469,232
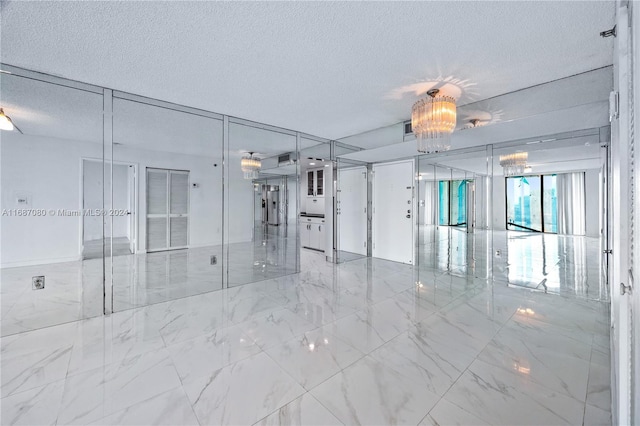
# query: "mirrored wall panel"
316,200
53,189
547,219
261,184
166,198
453,234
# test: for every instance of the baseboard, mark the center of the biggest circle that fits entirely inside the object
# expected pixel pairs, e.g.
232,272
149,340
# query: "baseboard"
36,262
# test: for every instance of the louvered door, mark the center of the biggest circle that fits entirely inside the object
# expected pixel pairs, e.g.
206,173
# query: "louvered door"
167,209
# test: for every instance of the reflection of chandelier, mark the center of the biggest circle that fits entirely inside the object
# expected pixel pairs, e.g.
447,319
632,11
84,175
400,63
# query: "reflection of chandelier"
250,166
514,164
433,119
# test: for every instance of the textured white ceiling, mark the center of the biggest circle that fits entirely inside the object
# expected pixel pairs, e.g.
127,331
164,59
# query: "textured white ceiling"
325,68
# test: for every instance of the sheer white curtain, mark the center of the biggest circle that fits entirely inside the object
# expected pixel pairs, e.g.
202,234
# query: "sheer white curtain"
430,202
571,203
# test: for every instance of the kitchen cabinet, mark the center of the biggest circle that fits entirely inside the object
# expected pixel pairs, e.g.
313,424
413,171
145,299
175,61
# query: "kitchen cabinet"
312,233
315,183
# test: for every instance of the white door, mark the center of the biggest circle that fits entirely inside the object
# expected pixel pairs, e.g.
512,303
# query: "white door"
352,210
393,222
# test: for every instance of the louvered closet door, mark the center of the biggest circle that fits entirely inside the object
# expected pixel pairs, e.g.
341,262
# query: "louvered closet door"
157,209
167,209
179,209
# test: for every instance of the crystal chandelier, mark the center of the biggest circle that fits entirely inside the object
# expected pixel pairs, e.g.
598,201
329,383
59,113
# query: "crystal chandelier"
250,166
514,164
433,119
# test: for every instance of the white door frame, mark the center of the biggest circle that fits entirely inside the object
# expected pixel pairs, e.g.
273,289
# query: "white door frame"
625,326
134,206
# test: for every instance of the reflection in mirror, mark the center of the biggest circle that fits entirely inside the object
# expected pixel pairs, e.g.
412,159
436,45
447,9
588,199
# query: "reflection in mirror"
167,192
316,201
546,215
261,208
453,238
56,129
352,210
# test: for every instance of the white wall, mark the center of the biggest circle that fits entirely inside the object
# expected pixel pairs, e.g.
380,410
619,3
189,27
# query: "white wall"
481,201
427,202
48,171
327,200
292,187
240,204
592,202
93,192
499,203
120,199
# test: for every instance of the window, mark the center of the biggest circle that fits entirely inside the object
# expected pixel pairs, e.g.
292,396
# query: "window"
452,202
532,203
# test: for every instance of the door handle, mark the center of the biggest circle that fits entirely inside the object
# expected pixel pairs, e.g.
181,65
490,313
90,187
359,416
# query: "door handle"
319,228
408,216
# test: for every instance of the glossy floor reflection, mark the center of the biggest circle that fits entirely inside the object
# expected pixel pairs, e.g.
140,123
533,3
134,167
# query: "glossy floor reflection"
551,263
73,290
363,342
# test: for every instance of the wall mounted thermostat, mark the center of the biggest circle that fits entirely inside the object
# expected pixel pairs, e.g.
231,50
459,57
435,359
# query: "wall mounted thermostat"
22,198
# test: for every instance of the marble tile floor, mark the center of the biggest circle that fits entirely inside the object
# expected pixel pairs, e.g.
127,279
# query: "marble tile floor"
73,290
356,343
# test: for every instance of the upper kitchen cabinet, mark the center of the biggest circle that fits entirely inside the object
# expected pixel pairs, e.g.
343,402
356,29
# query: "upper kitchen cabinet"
315,183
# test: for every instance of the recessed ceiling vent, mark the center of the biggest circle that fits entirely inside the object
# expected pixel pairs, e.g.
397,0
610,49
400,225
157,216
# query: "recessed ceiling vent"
284,159
407,128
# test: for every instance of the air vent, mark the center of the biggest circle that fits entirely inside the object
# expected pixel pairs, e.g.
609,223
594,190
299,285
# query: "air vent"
284,159
407,128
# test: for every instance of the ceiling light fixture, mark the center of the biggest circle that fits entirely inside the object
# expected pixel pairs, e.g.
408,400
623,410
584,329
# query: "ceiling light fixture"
433,119
514,164
250,166
5,121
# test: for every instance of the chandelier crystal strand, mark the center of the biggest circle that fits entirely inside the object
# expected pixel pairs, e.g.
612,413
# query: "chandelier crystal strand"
250,166
433,119
514,164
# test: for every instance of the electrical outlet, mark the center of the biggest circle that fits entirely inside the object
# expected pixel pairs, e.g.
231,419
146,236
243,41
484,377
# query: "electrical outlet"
498,253
37,282
214,260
